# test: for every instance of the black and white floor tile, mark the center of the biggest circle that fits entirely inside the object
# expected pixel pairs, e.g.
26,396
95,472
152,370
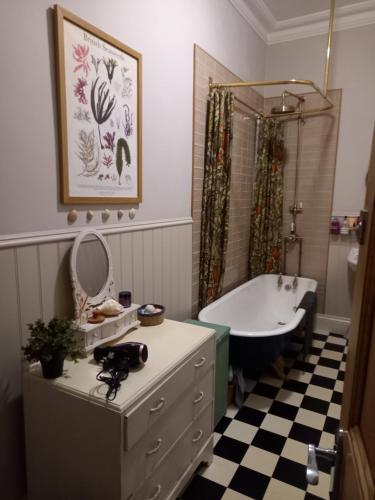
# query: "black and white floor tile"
261,448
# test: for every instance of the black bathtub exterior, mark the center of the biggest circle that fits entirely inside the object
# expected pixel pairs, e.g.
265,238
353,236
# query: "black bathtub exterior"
255,355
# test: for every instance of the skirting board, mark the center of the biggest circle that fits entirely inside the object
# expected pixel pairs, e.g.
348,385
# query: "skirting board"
335,324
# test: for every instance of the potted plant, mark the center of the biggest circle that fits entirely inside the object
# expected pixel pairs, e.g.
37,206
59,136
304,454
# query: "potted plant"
51,344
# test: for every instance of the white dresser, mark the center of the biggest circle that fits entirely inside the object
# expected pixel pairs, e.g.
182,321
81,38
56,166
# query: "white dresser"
145,444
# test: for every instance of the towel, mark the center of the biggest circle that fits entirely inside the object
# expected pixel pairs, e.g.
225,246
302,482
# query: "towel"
239,386
309,303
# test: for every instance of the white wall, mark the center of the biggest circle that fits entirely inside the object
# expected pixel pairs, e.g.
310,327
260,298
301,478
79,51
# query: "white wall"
35,278
352,69
164,31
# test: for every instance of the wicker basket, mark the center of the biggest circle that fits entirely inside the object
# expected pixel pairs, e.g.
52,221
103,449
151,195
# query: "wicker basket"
148,319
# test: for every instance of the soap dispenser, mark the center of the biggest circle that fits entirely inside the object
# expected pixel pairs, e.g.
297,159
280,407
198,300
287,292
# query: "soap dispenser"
345,226
335,226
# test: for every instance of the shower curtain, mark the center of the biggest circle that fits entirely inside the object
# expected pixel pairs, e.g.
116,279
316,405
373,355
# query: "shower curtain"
267,211
216,194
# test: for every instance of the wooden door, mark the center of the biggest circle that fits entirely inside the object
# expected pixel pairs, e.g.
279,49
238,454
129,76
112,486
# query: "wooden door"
357,468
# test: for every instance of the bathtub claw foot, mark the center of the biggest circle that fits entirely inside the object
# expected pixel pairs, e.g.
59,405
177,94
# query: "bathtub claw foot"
279,367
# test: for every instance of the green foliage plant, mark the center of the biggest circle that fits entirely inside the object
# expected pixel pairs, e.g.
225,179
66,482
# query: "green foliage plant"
45,340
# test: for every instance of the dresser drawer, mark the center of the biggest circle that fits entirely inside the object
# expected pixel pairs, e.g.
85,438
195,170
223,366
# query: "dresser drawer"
203,359
174,464
202,392
140,461
200,431
141,417
158,486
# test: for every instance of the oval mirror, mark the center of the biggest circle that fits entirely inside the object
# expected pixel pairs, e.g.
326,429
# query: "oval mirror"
91,273
92,265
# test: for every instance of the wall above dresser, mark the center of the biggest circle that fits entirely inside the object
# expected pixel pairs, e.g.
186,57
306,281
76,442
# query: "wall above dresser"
149,28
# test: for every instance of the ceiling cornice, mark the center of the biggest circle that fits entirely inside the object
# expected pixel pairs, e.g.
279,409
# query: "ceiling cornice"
260,18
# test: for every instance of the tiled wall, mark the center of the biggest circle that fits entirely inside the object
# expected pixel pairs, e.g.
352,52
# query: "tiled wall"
243,155
319,137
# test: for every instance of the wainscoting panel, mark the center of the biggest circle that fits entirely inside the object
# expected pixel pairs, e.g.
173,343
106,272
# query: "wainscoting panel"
114,243
10,354
29,286
148,268
126,261
157,262
64,306
49,270
153,262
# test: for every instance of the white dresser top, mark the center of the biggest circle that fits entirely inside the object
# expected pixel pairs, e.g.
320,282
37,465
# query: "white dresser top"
168,345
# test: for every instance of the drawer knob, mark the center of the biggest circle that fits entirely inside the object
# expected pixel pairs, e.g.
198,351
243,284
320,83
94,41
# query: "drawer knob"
201,362
154,450
199,398
199,436
159,406
156,494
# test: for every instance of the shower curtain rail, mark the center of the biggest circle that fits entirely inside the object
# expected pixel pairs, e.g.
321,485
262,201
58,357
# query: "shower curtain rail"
268,83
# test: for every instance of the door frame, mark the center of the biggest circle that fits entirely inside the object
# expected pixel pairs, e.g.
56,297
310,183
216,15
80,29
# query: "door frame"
355,465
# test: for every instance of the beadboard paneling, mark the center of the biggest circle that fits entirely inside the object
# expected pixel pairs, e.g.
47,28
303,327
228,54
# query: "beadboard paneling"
49,270
10,329
155,264
29,286
127,261
137,264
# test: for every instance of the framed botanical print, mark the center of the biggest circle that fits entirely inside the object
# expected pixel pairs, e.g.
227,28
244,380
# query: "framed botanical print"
99,85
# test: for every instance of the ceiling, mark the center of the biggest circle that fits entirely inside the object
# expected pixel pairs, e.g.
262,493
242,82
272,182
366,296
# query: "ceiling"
287,9
278,21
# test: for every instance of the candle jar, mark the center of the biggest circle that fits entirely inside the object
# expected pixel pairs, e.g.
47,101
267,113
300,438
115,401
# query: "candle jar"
125,299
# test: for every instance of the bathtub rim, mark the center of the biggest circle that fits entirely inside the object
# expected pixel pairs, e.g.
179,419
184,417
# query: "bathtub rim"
282,330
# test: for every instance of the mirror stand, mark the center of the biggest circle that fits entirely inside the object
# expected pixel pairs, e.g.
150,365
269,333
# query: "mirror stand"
91,271
110,329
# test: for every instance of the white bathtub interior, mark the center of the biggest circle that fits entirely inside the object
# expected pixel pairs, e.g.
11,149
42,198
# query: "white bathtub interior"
260,307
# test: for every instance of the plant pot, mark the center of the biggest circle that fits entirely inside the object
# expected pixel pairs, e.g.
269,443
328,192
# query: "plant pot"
53,368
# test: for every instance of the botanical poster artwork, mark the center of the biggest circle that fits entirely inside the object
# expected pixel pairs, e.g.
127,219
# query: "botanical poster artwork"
101,106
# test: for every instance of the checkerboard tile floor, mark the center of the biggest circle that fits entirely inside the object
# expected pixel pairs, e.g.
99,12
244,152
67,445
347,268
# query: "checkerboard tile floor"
261,448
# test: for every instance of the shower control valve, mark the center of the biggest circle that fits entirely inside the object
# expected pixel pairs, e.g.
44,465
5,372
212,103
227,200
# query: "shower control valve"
280,280
295,282
294,210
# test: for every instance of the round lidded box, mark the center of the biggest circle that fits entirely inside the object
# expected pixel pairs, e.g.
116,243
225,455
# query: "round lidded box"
151,314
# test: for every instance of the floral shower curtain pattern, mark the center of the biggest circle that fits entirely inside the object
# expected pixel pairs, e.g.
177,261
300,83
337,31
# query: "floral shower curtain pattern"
267,211
216,195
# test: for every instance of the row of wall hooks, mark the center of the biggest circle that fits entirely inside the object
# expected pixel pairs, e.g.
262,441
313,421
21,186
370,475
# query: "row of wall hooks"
105,215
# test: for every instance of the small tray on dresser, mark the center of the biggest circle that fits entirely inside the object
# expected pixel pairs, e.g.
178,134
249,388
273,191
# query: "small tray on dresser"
111,328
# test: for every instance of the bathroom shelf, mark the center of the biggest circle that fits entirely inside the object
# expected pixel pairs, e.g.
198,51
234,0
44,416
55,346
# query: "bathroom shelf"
95,334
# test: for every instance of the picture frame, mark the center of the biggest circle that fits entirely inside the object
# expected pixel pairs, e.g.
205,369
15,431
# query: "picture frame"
99,94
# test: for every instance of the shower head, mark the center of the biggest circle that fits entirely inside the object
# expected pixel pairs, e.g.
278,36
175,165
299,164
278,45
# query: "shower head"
284,108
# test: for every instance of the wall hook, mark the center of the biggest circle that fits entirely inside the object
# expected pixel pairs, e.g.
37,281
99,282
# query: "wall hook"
72,216
105,215
132,213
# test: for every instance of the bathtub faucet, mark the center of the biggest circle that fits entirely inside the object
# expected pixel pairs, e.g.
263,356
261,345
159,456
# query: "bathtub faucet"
280,280
295,282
